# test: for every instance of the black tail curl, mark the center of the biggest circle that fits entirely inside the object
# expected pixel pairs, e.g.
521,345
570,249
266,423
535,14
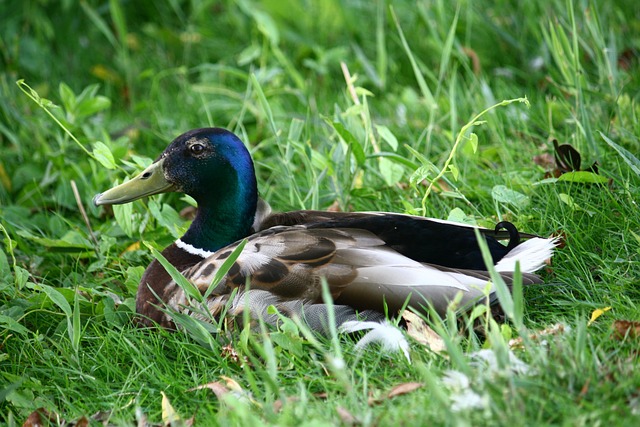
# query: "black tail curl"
514,234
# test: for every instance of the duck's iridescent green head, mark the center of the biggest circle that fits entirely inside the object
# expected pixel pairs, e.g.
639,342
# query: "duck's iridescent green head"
211,165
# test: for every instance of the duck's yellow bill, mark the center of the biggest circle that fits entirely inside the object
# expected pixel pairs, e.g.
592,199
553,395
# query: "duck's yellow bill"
150,181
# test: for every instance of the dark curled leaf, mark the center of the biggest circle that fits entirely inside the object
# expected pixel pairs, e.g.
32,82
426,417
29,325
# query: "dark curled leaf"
568,159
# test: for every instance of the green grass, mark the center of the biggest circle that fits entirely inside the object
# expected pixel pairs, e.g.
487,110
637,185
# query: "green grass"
123,79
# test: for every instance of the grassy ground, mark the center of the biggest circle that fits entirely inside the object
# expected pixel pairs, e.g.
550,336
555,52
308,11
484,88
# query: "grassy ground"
126,78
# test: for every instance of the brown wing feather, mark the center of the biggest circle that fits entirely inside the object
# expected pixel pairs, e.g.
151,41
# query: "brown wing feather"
289,262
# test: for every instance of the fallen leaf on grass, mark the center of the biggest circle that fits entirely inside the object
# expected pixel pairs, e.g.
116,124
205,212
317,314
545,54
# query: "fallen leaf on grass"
278,404
346,417
545,160
418,329
565,165
557,329
230,386
597,313
132,247
568,159
626,328
169,415
216,387
35,419
399,390
404,388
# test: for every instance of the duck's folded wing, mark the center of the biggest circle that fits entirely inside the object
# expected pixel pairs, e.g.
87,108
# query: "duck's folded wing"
357,266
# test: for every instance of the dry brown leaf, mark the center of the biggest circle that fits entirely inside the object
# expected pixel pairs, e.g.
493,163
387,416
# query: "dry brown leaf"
216,387
404,388
346,417
101,416
398,390
278,404
627,58
34,419
545,160
556,329
475,59
335,207
232,384
82,422
626,328
418,329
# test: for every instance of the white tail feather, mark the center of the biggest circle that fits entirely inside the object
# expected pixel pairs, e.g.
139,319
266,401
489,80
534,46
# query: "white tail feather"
531,254
388,335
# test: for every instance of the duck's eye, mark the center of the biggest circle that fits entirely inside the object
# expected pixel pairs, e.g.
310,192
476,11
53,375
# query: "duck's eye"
197,148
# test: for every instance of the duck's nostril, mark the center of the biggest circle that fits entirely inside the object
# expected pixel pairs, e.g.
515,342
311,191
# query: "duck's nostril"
146,175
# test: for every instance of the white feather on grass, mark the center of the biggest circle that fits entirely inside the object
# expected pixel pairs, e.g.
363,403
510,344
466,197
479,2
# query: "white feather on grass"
387,335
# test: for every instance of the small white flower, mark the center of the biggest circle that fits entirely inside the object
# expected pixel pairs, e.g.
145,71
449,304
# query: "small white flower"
455,380
463,397
468,399
488,359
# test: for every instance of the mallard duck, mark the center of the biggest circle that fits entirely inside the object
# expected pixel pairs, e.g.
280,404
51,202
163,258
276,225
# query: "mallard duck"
372,262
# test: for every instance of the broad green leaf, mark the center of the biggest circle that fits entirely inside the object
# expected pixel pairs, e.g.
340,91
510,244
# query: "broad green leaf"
91,106
167,217
21,277
71,241
57,298
352,142
9,324
4,265
67,96
458,215
502,194
123,214
420,174
391,171
249,54
103,154
266,25
473,141
567,200
455,172
584,177
387,136
133,276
